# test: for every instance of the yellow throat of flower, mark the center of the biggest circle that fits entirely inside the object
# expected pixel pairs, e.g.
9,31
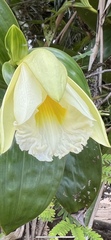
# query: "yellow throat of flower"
50,110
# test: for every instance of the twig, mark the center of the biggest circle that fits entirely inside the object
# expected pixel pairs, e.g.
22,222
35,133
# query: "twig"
107,7
42,229
96,73
104,100
27,231
61,34
99,35
59,19
14,235
108,130
106,87
57,23
33,228
101,22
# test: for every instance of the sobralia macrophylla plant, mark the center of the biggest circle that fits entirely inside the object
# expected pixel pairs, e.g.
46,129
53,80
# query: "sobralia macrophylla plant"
46,111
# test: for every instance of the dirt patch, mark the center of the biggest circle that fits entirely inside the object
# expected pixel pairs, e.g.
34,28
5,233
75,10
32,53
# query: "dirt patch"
102,222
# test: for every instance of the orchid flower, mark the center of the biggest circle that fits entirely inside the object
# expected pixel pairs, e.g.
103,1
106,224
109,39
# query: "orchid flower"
46,111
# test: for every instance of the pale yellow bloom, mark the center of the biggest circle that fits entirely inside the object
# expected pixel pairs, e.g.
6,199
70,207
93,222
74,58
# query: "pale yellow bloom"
49,114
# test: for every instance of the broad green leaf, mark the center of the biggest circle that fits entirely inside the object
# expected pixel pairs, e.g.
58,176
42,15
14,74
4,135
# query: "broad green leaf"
7,71
89,17
16,44
27,186
6,20
73,69
85,4
107,43
82,177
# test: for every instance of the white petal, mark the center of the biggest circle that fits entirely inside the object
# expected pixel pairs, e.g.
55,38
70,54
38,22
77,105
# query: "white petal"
28,95
7,115
40,135
72,98
99,132
76,130
54,131
38,141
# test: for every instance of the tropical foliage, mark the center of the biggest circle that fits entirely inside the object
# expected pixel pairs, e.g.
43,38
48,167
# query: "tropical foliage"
78,34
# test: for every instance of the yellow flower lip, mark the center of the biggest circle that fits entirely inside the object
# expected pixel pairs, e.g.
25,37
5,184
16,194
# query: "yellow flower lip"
49,114
50,105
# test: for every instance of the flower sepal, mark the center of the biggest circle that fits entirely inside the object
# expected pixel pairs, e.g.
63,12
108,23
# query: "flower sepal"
49,71
73,69
16,44
7,71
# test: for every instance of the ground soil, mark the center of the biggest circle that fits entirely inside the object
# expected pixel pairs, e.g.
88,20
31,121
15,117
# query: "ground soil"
102,222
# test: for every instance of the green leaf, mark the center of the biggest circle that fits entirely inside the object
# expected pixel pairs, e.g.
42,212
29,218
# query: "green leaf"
82,55
73,69
107,42
89,17
89,211
61,229
49,31
82,177
48,215
16,44
2,82
64,7
106,168
2,92
77,232
90,234
27,186
7,72
85,4
7,18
